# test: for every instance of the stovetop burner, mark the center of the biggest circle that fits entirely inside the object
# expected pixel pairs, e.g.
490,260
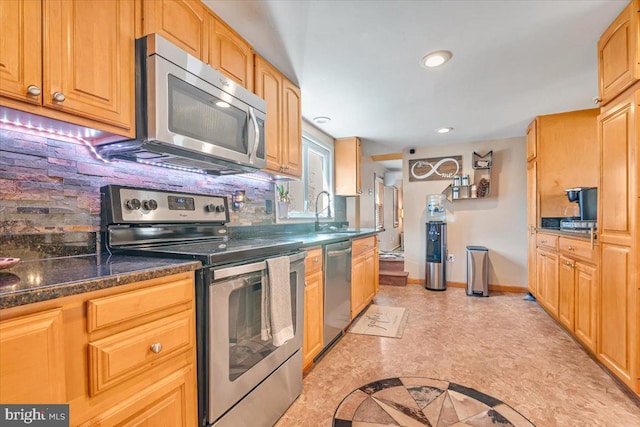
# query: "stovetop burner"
223,251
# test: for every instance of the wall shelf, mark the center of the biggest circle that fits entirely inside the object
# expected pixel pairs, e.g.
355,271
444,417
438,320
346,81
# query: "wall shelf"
480,187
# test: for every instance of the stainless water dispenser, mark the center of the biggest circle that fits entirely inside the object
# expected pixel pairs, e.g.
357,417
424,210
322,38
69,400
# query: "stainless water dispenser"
435,267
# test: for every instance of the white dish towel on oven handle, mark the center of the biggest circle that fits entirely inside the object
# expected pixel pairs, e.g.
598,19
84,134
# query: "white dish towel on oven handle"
277,323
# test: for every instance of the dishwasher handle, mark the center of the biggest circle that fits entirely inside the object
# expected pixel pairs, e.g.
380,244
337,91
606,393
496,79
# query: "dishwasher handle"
338,253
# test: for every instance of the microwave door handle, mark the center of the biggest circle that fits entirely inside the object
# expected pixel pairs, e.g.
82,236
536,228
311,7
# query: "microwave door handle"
256,132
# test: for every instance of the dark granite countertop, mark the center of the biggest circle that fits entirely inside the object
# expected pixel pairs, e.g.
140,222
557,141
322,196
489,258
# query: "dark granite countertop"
326,237
44,279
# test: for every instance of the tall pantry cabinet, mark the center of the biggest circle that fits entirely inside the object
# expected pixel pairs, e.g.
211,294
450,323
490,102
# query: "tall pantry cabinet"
619,197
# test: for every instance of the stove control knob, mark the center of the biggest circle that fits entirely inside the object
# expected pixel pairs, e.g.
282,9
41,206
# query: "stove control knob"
150,205
211,207
133,204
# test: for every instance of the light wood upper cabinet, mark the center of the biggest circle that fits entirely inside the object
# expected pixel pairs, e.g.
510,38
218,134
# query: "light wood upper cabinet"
21,50
182,22
32,359
291,129
70,60
532,140
567,157
618,53
88,56
229,53
283,127
347,156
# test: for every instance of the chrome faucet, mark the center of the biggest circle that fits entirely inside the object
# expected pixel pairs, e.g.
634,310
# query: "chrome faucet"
317,227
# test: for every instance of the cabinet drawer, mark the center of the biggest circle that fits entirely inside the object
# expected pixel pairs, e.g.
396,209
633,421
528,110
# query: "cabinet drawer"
578,249
547,241
121,356
169,291
360,246
313,261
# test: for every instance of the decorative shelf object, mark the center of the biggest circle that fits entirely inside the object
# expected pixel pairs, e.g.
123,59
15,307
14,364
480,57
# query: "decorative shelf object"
480,187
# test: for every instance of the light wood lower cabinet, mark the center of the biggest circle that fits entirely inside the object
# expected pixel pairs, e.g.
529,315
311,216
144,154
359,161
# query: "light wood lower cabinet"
313,307
566,291
117,356
586,294
547,281
32,358
364,268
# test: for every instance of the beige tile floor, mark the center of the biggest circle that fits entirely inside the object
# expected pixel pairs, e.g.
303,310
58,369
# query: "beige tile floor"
502,346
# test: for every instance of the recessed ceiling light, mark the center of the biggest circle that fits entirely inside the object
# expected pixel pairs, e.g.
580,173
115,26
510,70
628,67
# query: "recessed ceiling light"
223,104
436,58
321,120
444,130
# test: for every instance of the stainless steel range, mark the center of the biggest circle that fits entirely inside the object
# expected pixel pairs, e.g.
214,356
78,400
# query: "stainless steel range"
243,380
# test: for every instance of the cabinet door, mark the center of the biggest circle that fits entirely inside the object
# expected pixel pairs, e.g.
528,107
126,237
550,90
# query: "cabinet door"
566,290
357,285
369,288
547,285
268,86
88,63
182,22
32,359
532,140
614,309
347,156
229,53
618,54
532,215
291,129
540,290
586,292
313,317
21,50
171,401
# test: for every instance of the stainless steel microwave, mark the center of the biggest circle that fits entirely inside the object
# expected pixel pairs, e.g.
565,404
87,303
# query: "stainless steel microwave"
189,116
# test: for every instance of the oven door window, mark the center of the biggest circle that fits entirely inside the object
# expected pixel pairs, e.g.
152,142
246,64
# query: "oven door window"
202,116
246,348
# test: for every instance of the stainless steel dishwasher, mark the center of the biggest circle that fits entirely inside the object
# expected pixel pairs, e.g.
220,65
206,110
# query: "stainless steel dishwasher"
337,290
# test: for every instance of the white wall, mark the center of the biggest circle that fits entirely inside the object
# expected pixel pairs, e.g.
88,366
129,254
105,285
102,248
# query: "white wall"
498,222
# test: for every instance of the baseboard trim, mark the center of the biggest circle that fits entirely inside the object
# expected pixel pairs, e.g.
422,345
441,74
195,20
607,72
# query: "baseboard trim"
497,288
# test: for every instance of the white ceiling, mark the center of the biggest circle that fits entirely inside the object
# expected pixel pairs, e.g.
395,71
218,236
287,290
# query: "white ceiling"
358,63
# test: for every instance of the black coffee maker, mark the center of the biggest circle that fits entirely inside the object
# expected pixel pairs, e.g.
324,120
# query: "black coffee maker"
587,199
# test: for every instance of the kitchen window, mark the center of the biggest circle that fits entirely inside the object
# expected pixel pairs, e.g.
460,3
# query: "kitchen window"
317,176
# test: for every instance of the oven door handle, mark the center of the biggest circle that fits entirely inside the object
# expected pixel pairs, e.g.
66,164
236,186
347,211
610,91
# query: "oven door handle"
237,270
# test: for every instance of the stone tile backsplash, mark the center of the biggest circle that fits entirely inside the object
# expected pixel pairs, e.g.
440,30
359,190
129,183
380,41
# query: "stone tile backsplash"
50,186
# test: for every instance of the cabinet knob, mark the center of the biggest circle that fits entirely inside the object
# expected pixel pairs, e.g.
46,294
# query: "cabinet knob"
156,347
543,241
315,259
34,90
59,97
570,248
543,255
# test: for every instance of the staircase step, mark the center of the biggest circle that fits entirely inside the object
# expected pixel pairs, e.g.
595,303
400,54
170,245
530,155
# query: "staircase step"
393,278
391,264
